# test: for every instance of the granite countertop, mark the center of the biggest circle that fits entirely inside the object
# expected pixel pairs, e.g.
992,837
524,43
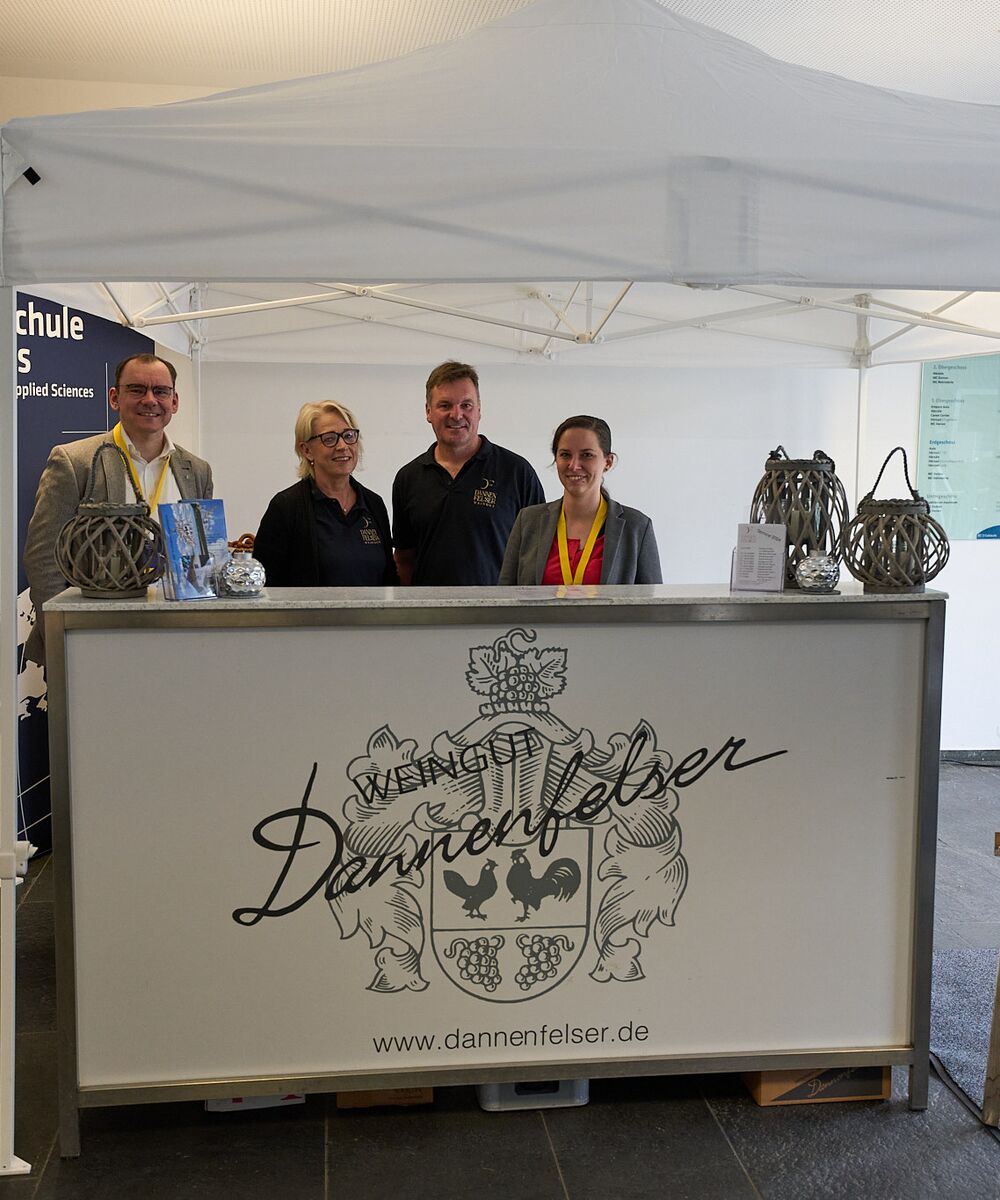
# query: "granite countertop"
292,599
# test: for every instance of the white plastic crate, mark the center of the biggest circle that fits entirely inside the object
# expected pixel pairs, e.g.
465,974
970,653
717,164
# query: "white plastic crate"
556,1093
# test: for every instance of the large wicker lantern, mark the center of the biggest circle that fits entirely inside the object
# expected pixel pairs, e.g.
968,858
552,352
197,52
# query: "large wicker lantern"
805,495
894,545
111,551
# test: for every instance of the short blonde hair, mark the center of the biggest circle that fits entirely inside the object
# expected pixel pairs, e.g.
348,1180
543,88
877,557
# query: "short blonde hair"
305,421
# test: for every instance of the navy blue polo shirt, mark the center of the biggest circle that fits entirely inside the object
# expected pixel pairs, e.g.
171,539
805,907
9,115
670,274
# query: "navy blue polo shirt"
351,553
459,527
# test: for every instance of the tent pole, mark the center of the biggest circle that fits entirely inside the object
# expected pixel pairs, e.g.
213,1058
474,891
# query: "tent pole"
753,313
171,304
123,316
544,348
933,313
233,310
595,333
169,300
838,306
396,323
556,312
861,423
10,1164
196,345
351,291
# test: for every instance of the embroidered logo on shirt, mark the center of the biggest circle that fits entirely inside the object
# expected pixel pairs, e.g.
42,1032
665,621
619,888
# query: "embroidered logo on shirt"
369,534
484,496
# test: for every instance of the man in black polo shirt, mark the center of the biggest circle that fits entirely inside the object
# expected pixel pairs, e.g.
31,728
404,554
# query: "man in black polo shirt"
454,505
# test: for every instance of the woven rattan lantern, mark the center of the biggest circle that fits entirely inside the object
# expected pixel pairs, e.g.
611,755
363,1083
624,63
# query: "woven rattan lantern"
894,545
805,495
111,551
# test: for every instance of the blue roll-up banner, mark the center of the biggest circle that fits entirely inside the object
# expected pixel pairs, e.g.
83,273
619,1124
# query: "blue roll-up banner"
65,364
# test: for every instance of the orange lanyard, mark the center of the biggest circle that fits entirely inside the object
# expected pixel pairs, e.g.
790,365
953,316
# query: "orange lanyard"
120,443
568,575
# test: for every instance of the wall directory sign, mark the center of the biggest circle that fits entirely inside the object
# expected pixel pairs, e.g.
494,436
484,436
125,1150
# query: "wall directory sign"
958,461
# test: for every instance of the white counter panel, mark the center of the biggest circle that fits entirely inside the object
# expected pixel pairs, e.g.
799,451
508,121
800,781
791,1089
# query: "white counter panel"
764,908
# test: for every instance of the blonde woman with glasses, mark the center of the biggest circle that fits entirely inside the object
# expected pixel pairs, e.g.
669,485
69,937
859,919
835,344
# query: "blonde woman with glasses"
327,530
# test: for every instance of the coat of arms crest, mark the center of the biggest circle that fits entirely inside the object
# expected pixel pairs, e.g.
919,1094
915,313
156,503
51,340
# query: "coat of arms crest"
509,851
518,846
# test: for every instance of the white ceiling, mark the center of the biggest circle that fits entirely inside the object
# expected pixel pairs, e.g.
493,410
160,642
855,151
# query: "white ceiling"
941,49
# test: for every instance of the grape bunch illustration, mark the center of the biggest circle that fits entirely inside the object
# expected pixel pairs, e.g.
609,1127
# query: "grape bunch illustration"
542,955
477,960
518,683
514,675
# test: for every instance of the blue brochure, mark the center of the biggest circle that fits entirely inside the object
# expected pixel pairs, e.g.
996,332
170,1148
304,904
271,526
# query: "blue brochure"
195,543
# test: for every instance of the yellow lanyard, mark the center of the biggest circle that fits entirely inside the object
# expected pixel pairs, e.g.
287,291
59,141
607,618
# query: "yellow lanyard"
577,576
120,443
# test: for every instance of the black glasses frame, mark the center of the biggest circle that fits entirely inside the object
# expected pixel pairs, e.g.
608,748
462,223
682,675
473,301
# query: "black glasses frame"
137,391
333,436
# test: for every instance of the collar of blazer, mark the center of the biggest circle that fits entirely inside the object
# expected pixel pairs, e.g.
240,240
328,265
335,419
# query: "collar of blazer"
119,491
613,524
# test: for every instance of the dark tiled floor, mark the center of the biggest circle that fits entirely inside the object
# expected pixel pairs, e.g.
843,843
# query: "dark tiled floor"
689,1138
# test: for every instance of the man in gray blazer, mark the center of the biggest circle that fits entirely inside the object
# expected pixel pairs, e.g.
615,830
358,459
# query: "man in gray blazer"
145,396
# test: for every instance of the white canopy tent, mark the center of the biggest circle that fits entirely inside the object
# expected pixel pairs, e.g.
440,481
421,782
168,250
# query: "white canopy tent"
632,159
603,142
574,139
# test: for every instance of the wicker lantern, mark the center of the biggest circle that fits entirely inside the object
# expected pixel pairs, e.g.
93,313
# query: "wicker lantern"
111,551
894,545
805,495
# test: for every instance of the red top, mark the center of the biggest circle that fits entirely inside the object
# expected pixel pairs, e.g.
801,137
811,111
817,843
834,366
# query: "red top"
592,572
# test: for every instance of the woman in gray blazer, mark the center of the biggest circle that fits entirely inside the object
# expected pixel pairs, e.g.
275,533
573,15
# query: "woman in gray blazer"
586,537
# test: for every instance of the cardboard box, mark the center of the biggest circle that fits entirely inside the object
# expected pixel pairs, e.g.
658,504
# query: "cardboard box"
385,1097
819,1087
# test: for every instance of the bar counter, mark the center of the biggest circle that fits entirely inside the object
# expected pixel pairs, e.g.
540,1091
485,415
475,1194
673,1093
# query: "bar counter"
364,838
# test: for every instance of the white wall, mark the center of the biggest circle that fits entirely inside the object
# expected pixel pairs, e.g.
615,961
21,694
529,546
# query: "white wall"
692,443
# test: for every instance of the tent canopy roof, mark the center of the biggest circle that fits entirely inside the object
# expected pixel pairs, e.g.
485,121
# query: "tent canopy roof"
574,139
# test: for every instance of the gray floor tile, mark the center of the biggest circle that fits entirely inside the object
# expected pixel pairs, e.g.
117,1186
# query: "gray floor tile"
962,785
449,1151
857,1151
950,938
968,886
39,882
976,933
18,1187
175,1151
35,1115
36,968
645,1139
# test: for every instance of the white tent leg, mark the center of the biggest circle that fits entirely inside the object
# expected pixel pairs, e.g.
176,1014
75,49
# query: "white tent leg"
10,1164
860,432
197,343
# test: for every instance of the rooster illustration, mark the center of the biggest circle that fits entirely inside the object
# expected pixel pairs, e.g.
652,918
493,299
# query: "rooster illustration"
561,880
473,894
